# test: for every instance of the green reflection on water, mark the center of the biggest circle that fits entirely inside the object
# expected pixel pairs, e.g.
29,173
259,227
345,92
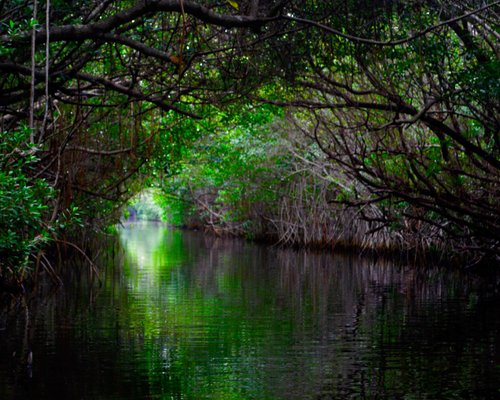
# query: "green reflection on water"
188,322
203,321
184,316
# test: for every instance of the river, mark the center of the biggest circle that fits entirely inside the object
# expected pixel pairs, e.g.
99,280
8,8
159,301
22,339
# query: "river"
180,315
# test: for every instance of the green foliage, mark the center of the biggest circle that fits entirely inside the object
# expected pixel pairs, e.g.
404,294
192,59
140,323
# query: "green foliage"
145,206
227,173
23,202
402,98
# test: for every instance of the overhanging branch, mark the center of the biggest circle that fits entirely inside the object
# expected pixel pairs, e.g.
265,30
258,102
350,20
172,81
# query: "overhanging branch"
96,30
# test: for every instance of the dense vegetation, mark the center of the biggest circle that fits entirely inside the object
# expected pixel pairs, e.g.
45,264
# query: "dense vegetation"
315,123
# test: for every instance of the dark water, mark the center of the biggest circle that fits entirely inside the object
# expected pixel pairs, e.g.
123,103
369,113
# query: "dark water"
182,316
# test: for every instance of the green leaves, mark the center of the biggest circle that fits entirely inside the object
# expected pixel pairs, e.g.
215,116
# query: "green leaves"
23,202
227,172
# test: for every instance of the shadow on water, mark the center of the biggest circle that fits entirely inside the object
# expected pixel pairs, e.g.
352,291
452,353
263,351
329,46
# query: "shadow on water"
183,316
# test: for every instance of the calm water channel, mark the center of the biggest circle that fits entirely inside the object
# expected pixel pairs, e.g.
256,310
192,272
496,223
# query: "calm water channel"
183,316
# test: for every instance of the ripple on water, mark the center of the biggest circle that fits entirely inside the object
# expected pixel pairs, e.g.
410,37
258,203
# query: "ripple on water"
183,316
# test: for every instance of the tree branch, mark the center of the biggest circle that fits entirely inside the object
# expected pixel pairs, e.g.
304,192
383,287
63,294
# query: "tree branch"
362,40
98,29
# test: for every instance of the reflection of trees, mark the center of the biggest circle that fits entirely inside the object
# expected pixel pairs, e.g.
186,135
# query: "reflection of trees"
214,318
141,240
342,320
390,334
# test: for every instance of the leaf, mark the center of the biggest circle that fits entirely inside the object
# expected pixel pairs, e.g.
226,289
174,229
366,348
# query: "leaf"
234,4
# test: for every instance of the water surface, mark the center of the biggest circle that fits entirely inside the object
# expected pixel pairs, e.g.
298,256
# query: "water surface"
183,316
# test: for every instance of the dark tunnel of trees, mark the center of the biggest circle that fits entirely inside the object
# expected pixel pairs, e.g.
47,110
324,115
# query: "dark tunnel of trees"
370,124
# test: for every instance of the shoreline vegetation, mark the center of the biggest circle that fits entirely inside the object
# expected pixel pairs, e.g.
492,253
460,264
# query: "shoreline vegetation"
368,125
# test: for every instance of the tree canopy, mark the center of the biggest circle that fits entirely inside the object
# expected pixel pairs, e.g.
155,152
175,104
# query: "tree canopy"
396,102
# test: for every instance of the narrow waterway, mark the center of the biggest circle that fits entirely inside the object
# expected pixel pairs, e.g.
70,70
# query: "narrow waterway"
183,316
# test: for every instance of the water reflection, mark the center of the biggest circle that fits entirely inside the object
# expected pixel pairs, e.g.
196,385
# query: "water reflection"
183,316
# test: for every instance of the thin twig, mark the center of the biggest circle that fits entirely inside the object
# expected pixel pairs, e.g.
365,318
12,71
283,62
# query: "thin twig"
82,252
